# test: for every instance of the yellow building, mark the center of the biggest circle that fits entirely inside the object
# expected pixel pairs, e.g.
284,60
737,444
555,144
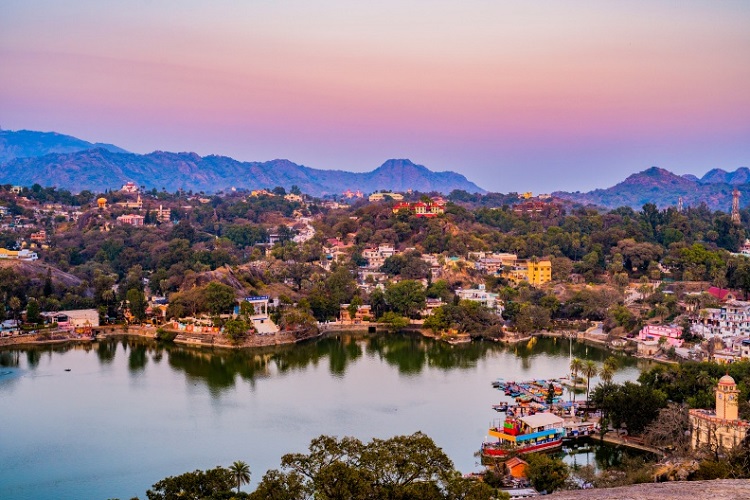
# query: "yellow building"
536,272
721,429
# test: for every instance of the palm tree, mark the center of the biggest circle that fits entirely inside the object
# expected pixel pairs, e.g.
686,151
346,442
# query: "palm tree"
589,371
241,473
608,369
576,365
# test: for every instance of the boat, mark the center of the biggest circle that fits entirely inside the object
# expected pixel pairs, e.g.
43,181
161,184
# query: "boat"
540,432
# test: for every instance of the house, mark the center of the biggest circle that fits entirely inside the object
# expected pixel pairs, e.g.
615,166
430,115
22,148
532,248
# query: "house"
516,468
732,319
670,334
481,295
24,254
363,313
293,197
129,187
535,271
722,294
77,319
131,220
421,208
381,196
376,256
39,236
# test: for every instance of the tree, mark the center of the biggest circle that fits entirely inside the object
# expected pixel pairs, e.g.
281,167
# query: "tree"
15,305
589,371
32,312
195,485
546,473
608,369
576,365
241,472
236,329
406,297
136,303
219,298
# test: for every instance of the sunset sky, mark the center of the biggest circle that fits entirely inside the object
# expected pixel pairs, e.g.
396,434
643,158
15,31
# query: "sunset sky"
516,95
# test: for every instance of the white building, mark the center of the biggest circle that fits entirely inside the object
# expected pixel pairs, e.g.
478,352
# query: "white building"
732,319
376,256
481,295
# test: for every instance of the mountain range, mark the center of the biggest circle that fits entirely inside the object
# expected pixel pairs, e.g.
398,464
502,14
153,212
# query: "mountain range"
28,157
664,188
48,158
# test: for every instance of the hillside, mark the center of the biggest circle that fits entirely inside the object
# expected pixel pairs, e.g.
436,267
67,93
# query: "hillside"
663,188
66,162
29,144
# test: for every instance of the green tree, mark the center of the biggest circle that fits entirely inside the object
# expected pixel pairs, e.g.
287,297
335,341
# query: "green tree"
546,473
241,472
194,485
219,298
576,366
32,312
406,297
236,330
136,303
589,371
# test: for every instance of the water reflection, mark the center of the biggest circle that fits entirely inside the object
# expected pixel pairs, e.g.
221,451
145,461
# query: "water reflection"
409,353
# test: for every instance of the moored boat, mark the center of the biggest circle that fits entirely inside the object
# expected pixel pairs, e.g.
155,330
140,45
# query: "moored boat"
540,432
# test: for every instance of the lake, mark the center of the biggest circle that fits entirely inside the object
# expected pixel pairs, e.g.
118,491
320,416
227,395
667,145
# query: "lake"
130,412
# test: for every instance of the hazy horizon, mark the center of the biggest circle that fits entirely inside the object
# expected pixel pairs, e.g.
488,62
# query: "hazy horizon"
515,96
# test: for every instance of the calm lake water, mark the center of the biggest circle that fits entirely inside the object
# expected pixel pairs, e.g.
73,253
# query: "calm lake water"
130,412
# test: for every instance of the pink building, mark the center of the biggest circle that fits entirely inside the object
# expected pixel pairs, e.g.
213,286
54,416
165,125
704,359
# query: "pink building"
655,332
131,220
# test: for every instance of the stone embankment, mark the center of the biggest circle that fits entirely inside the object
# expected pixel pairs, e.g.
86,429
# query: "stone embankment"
722,489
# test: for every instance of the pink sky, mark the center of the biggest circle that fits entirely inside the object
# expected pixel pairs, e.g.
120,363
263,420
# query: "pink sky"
515,95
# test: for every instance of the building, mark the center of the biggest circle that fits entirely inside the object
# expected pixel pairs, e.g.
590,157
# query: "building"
720,429
129,187
376,256
163,214
722,294
293,197
18,254
481,295
137,204
362,314
381,196
732,319
421,208
348,194
39,236
492,263
670,334
535,271
131,220
79,319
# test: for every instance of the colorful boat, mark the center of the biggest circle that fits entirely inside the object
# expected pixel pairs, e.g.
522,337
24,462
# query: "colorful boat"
540,432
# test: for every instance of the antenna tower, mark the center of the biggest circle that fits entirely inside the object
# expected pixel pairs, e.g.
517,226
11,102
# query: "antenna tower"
679,204
736,206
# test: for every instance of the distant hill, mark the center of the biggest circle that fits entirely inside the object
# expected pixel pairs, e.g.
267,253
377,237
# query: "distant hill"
663,188
29,143
99,168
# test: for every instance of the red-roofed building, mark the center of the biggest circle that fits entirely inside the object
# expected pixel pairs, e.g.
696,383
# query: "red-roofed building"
721,293
421,209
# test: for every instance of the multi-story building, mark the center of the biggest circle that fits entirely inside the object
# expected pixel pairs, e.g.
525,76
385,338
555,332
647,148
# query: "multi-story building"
24,254
421,209
732,319
381,196
481,295
670,334
376,256
535,271
131,220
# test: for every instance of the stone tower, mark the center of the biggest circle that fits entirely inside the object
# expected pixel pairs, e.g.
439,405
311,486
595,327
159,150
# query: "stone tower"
727,397
736,206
